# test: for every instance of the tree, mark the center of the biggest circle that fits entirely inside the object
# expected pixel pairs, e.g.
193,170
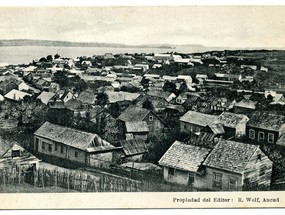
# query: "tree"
147,104
43,59
56,56
102,99
49,58
169,86
145,82
115,110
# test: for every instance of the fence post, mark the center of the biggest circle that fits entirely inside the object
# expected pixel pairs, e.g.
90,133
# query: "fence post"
67,181
4,177
43,178
19,175
81,183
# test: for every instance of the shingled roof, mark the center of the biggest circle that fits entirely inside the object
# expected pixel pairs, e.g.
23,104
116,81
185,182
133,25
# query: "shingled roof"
184,157
73,137
133,127
133,114
133,147
45,97
246,103
121,96
230,156
267,121
198,118
231,120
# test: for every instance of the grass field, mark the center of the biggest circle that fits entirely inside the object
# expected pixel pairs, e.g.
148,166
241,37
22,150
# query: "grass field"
27,188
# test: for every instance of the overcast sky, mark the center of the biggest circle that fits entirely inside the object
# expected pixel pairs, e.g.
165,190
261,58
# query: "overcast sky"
210,26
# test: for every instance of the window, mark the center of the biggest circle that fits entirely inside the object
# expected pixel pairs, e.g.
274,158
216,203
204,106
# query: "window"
217,182
259,157
232,184
270,138
16,153
61,149
260,136
50,147
76,154
55,147
252,134
171,171
150,118
43,145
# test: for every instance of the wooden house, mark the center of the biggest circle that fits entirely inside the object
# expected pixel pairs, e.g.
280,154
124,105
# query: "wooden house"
137,114
182,164
137,130
133,150
193,122
44,97
72,145
265,127
13,155
8,85
245,106
42,84
235,166
234,124
16,95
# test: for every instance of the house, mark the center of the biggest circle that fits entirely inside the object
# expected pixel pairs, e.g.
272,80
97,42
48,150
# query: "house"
245,106
16,95
73,145
44,97
137,130
8,85
234,124
191,97
75,106
184,78
133,150
158,100
265,127
121,96
235,166
167,96
193,122
142,67
23,86
66,96
137,114
221,104
88,98
13,155
228,77
182,164
42,84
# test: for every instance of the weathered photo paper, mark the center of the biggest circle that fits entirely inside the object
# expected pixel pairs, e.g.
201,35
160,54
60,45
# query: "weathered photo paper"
142,107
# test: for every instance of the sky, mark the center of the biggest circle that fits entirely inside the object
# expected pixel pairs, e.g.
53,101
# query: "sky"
214,26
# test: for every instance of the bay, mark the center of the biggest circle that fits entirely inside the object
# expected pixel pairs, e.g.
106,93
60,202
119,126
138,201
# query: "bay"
26,54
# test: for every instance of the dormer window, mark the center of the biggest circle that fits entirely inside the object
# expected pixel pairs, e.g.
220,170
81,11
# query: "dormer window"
150,118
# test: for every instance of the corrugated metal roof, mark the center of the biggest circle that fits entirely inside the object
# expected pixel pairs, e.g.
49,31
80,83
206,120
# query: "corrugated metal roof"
133,147
184,157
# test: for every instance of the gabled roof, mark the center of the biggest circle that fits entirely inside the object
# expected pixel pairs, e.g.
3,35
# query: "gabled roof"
162,94
230,156
16,95
73,137
133,127
87,97
121,96
73,104
208,140
246,103
267,121
133,147
45,97
231,120
198,118
281,140
184,157
134,114
217,128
